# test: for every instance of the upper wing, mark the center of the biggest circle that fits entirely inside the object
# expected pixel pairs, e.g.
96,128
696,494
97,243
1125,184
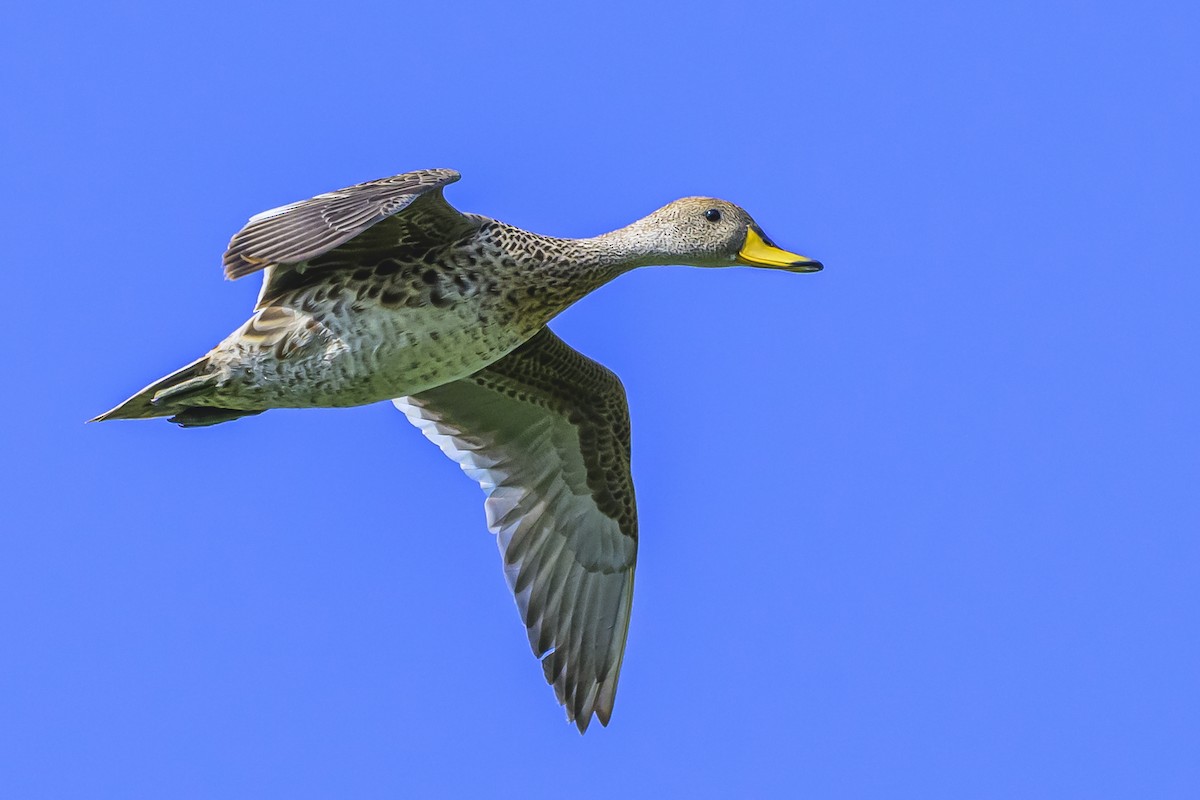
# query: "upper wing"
545,432
302,231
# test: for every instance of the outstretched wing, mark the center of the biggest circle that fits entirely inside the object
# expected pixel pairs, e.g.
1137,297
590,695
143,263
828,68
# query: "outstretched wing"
298,232
545,432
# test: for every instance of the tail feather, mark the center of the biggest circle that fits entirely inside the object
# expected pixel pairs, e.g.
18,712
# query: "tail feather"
168,397
142,405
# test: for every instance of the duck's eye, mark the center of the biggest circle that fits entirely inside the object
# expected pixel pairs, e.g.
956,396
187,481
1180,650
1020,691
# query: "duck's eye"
712,215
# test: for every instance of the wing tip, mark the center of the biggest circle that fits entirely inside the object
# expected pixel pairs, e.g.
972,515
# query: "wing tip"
582,718
238,264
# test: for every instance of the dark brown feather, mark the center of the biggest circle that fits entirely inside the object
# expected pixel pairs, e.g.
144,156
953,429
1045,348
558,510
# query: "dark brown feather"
296,233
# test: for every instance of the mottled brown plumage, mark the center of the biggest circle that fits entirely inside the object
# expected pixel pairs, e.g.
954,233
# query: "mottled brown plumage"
384,291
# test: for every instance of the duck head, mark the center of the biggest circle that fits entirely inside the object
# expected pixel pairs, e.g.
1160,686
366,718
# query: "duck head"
707,232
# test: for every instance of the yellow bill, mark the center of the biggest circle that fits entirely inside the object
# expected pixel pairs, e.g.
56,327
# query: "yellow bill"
759,251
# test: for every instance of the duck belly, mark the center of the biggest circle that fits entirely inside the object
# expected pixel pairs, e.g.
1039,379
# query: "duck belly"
288,357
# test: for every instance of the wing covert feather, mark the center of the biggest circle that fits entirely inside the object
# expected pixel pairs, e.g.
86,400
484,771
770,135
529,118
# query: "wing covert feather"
295,233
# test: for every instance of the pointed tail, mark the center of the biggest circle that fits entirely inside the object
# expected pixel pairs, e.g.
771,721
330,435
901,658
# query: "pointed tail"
165,397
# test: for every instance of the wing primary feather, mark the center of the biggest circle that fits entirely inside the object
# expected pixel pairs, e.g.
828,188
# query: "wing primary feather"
296,232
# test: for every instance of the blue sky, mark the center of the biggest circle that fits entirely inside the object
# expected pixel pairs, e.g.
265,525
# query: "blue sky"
922,525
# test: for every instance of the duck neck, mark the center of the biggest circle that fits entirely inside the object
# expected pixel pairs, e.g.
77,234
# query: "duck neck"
549,274
602,258
568,269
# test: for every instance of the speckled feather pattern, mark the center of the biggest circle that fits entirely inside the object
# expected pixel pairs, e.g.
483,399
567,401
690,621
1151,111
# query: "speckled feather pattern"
375,319
383,290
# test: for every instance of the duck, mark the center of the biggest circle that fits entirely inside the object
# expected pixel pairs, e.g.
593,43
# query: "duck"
383,291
